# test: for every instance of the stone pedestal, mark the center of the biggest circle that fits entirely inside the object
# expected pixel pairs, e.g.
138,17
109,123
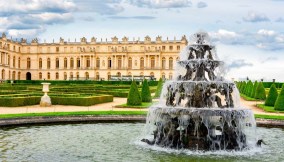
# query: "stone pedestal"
45,99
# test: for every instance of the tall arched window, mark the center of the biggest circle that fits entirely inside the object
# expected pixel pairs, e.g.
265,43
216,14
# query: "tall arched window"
108,76
88,62
142,63
78,62
13,75
19,62
65,63
77,76
56,75
40,76
163,76
71,63
170,76
48,63
163,63
87,75
109,63
28,63
3,74
97,76
48,75
65,76
170,63
152,62
8,59
119,63
71,76
57,63
40,63
19,75
129,63
118,74
98,62
14,61
152,74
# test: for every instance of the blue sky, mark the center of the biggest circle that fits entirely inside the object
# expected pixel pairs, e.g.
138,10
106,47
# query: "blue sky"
248,34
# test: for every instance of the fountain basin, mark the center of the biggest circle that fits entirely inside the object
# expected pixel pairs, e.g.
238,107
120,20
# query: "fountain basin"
117,142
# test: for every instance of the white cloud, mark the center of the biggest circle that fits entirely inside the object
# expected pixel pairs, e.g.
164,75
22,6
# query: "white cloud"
265,32
161,3
225,36
201,5
255,17
28,18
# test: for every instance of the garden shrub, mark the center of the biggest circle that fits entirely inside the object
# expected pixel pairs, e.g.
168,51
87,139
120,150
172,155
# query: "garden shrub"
260,92
19,101
145,92
252,94
249,88
279,104
159,88
134,97
272,96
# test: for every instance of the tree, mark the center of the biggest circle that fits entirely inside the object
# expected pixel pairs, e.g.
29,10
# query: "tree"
272,96
254,89
249,88
134,97
244,87
159,88
260,92
279,104
145,92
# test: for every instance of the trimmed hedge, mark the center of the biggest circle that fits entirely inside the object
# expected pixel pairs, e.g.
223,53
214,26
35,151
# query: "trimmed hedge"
159,88
134,97
145,92
272,96
260,92
19,101
71,99
254,89
279,104
81,101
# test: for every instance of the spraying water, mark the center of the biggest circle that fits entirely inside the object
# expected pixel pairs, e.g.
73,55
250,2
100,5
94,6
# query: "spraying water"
199,109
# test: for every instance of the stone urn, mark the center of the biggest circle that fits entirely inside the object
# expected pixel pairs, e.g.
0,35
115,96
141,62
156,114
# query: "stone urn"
45,99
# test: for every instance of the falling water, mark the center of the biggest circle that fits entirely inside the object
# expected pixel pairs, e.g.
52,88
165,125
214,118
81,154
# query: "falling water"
199,109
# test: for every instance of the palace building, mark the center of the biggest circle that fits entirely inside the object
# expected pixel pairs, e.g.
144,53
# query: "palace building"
83,60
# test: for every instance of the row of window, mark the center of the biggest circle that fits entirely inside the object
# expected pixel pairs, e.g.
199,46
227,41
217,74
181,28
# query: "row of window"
109,48
109,63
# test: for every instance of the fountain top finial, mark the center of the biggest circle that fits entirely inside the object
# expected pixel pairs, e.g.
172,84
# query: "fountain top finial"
200,38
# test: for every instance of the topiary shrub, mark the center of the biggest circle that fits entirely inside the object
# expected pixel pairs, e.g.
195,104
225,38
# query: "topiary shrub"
254,89
272,96
134,97
145,92
260,92
159,88
279,104
249,88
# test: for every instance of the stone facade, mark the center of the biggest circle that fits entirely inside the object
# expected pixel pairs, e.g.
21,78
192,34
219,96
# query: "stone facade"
94,60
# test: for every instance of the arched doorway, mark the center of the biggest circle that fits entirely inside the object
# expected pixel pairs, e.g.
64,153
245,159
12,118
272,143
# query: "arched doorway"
28,76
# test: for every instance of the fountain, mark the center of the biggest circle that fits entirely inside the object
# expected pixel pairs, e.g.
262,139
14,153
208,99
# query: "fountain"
199,109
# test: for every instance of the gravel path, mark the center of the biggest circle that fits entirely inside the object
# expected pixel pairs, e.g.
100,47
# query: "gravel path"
105,107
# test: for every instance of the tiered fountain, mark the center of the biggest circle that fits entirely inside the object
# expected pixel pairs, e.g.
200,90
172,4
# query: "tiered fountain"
199,110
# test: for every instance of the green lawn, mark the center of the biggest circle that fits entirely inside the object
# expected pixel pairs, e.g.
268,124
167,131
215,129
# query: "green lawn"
73,114
248,98
274,117
144,105
268,108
